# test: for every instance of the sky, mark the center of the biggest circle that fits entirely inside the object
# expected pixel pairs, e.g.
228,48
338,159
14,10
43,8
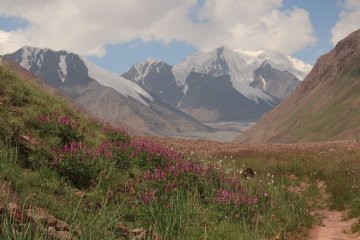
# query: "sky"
118,33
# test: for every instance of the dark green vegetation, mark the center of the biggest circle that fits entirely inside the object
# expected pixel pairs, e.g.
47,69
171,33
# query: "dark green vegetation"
95,177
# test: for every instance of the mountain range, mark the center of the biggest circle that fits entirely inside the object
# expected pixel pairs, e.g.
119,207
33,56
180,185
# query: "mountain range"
326,105
222,85
106,95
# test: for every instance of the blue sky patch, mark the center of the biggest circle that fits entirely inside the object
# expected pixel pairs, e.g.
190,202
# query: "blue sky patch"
12,23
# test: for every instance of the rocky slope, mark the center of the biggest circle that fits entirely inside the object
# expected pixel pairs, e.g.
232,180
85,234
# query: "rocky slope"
325,107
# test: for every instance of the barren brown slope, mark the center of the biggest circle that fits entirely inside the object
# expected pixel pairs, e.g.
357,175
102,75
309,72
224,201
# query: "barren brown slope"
325,107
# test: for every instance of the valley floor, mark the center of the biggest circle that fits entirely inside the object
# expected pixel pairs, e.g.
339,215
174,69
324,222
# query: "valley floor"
218,147
223,131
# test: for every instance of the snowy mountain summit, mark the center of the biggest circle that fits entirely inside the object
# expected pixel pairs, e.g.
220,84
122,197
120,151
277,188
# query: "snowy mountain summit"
156,77
207,83
238,64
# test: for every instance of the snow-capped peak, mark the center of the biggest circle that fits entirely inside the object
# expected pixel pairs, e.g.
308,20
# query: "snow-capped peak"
240,65
279,61
220,61
121,85
202,62
150,61
29,55
302,68
143,68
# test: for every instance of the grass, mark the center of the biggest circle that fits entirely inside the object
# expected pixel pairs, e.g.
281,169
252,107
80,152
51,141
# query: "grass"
28,232
172,221
338,168
96,177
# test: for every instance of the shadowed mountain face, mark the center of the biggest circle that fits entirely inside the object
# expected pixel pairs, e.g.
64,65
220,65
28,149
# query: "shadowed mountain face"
157,78
274,82
214,99
46,64
106,95
222,85
325,107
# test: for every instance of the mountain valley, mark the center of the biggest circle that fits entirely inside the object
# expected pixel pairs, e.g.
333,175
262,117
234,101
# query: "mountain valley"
223,87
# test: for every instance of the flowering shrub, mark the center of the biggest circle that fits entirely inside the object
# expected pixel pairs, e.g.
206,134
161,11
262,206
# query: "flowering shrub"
225,193
59,125
117,152
77,164
236,205
150,155
116,134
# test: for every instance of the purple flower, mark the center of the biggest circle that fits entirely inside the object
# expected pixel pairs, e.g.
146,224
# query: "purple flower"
148,196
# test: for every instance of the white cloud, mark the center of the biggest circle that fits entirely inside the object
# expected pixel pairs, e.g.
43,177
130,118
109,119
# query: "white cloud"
87,26
349,21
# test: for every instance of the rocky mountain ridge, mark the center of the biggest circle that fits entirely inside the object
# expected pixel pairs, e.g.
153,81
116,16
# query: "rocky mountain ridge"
326,105
223,84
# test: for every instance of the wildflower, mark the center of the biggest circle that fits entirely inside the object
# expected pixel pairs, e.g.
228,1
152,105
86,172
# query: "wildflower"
148,196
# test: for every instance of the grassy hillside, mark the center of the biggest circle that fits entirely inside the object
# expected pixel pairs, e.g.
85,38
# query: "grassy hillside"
325,107
107,185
